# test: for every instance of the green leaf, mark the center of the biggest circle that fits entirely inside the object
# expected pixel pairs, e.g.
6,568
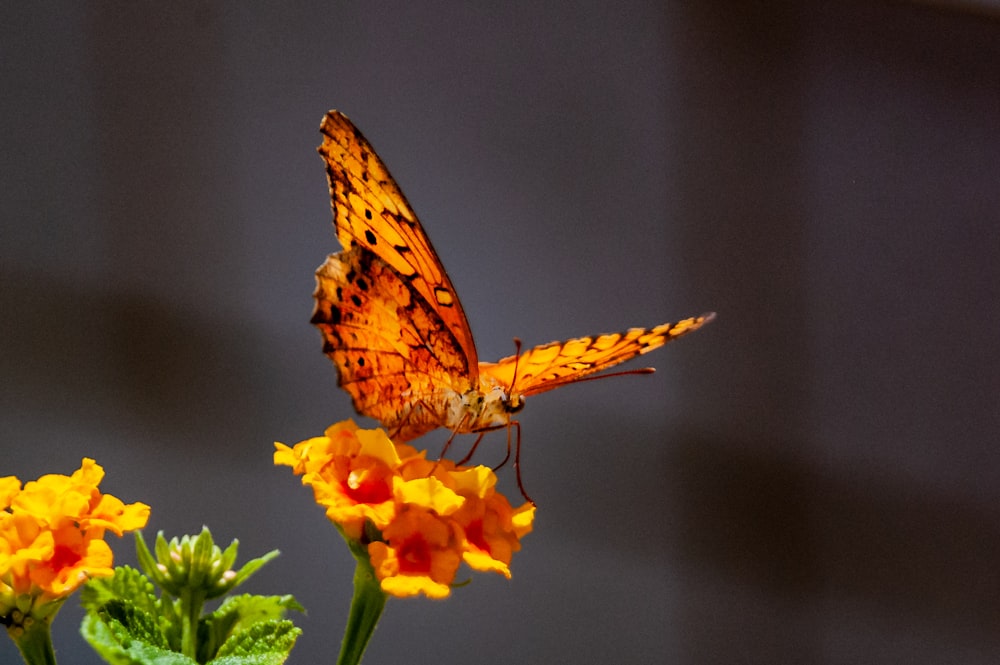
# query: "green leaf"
238,613
124,635
241,612
128,622
131,586
265,643
126,584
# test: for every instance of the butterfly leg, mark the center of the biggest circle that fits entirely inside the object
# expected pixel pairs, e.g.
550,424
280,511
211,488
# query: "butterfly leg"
447,445
506,458
517,460
517,454
516,448
482,433
444,450
472,450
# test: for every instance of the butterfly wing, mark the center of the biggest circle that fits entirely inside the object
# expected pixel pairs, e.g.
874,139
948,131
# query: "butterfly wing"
557,363
370,211
393,324
394,355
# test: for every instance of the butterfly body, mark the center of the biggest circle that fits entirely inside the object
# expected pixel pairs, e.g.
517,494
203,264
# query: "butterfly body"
395,329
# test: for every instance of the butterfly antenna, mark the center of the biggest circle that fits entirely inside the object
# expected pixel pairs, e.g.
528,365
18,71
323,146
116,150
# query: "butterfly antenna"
624,372
580,379
517,360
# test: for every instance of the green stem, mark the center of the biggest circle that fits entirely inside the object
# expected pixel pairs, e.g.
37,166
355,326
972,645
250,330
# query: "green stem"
34,641
191,604
366,608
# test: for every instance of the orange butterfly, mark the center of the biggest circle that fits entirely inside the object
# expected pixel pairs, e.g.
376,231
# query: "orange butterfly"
394,327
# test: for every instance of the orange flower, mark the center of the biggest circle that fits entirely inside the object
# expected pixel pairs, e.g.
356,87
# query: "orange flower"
351,472
420,555
493,531
423,517
52,538
9,487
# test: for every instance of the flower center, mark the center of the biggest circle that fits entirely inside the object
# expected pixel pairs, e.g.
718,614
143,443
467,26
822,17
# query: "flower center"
367,486
63,557
414,555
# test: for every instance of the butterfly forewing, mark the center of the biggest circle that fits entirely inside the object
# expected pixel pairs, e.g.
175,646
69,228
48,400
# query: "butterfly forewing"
371,211
557,363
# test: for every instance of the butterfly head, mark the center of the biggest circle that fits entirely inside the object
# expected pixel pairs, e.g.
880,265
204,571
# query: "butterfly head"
498,403
488,407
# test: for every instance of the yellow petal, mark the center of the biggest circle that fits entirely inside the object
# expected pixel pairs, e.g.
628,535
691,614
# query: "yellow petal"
478,481
376,443
428,493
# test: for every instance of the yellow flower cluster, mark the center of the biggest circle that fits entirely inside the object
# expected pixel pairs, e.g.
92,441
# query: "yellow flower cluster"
52,538
431,515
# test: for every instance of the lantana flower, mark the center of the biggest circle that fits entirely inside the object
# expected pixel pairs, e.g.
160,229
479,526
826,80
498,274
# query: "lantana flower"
421,554
417,519
52,541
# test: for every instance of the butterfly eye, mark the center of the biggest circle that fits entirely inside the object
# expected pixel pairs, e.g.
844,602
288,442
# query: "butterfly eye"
513,404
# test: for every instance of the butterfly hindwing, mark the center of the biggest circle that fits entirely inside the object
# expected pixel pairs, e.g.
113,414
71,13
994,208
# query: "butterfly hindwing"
393,354
555,364
371,211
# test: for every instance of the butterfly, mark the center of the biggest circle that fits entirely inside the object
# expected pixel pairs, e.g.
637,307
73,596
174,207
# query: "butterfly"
394,327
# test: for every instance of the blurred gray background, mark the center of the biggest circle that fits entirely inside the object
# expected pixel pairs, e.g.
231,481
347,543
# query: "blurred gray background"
814,478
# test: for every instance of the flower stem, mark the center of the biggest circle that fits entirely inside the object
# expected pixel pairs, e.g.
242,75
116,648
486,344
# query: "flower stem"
191,603
366,608
34,641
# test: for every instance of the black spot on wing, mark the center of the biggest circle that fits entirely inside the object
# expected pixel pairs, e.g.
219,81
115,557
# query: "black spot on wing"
369,236
330,317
